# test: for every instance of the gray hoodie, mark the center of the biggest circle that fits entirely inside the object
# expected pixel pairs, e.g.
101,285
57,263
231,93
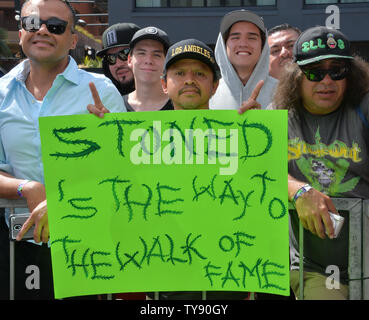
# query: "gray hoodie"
231,91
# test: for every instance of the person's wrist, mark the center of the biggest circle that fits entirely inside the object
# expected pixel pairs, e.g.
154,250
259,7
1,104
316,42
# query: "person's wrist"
21,187
300,192
33,189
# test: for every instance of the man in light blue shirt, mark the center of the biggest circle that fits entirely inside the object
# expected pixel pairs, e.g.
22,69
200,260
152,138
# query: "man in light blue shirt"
48,83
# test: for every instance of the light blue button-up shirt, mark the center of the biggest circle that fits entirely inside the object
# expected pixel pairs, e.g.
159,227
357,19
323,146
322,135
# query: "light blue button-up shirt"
20,145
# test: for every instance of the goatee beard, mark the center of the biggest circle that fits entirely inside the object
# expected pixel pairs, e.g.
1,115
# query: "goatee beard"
127,88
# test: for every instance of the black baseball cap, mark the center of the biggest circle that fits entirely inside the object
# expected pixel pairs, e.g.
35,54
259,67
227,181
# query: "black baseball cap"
192,49
240,15
152,33
320,43
117,35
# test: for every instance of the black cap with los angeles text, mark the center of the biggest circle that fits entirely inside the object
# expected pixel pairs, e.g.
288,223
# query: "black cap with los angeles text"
320,43
192,49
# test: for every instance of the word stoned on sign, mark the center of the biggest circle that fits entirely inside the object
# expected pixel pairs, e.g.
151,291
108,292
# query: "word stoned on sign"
157,147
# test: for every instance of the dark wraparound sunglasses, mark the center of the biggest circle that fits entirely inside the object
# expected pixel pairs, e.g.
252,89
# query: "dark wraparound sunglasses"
336,73
121,55
54,25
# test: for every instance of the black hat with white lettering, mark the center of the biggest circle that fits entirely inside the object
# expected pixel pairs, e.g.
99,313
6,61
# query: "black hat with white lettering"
320,43
117,35
192,49
151,33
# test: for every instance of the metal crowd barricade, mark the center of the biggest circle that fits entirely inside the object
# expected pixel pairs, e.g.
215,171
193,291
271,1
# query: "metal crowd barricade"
12,204
358,254
366,249
22,203
358,246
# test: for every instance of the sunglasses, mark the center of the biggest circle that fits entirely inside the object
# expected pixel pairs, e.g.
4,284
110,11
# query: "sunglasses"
33,24
121,55
336,73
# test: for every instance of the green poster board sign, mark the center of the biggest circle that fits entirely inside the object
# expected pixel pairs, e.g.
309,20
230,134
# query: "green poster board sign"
167,201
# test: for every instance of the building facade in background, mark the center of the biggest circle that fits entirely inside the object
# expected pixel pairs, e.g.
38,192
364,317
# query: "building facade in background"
95,21
201,18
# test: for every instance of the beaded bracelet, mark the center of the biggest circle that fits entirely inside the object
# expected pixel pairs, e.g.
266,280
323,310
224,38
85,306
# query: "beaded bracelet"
20,187
300,192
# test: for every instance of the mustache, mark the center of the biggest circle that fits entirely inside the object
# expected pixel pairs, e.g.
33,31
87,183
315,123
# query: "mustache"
286,60
191,88
122,68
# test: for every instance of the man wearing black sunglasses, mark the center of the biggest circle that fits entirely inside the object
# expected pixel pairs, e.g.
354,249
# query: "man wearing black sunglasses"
48,83
326,93
115,55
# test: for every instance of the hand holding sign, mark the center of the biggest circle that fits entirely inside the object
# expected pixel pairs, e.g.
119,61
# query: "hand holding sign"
251,102
97,108
115,226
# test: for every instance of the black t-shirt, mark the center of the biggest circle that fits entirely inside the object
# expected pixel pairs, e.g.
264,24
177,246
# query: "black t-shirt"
330,152
167,106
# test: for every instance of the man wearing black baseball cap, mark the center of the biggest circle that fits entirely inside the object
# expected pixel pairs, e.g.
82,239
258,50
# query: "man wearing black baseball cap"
242,53
115,51
191,75
148,48
326,93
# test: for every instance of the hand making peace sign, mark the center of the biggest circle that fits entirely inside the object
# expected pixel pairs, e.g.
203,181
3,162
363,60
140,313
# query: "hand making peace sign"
97,108
251,102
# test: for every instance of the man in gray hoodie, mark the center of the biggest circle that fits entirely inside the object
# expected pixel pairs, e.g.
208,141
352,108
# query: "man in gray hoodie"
242,53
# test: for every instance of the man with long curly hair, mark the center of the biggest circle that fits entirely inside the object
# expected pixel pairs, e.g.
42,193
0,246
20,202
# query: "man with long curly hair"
326,94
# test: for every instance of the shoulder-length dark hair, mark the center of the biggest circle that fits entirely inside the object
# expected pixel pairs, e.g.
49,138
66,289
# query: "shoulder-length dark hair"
288,92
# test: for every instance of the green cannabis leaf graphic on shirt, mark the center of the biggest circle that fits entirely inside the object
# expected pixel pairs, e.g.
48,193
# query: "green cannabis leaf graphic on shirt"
326,176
